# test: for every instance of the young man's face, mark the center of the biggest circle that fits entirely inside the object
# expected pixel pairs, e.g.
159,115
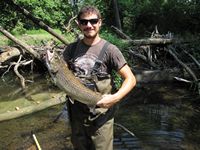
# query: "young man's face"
89,25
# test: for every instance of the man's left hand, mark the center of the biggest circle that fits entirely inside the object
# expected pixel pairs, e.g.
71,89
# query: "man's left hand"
107,101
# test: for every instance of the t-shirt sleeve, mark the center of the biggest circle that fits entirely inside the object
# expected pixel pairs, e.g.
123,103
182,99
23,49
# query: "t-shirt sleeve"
68,52
116,58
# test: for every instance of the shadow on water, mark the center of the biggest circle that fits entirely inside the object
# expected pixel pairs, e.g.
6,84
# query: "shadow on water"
161,116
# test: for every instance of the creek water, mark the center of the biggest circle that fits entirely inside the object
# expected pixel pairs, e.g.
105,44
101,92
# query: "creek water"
152,117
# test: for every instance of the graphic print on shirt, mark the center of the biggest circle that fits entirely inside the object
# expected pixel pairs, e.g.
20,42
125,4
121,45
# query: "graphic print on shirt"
84,64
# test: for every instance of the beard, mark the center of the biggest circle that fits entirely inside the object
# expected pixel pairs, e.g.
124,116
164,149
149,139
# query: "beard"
91,35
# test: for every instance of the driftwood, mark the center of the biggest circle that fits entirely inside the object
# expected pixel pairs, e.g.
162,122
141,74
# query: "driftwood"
25,47
33,108
9,52
19,51
20,63
149,41
37,21
147,50
20,43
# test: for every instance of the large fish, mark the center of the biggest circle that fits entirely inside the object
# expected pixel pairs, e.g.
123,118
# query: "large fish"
66,81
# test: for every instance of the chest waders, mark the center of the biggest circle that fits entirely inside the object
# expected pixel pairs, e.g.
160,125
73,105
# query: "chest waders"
93,129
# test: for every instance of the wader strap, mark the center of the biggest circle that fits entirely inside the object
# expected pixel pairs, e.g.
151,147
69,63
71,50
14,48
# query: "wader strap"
100,57
103,50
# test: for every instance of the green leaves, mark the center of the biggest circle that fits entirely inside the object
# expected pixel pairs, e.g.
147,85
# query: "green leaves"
53,13
137,16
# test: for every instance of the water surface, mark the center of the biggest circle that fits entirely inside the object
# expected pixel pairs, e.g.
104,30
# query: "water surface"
161,117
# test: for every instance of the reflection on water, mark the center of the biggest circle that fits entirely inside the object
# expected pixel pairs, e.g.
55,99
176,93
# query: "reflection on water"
165,136
162,117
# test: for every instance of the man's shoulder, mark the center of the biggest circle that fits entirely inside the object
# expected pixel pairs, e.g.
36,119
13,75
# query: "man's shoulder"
71,45
110,45
69,50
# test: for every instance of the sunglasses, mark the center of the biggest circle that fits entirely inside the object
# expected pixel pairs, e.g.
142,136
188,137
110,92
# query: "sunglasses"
85,21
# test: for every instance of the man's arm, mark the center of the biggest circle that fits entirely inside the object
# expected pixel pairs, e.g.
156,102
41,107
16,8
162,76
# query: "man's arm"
129,82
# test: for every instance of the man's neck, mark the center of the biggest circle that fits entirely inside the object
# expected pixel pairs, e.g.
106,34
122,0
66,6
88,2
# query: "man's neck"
91,41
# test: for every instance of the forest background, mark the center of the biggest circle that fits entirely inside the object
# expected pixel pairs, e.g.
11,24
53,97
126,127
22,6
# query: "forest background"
136,18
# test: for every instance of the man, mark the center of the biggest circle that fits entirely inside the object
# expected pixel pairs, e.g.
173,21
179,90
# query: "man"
92,60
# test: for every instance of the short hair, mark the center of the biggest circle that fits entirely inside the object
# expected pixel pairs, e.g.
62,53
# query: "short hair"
89,10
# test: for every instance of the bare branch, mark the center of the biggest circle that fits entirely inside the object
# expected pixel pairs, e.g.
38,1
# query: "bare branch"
18,74
11,64
120,33
193,58
144,58
67,27
170,50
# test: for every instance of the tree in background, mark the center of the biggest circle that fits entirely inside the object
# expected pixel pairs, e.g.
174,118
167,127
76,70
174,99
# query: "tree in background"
141,16
134,17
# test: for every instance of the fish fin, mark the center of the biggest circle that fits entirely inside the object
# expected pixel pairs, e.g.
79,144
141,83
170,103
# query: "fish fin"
71,100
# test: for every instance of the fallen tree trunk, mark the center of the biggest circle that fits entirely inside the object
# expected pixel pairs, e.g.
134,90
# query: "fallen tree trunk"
148,41
23,45
120,33
151,41
34,108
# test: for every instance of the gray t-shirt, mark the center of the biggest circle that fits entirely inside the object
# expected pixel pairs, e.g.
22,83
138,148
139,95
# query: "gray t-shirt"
84,56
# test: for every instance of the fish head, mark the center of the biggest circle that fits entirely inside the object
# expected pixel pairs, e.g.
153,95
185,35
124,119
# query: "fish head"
52,60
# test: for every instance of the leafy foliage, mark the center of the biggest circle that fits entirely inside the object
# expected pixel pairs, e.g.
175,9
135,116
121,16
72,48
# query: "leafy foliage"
137,17
170,15
53,13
